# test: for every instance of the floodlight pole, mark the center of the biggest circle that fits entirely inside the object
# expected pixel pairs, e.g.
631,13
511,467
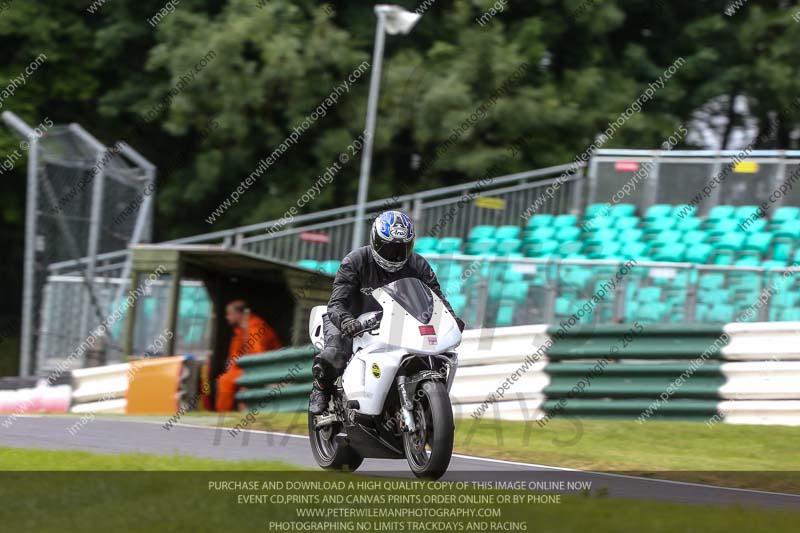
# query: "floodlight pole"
369,129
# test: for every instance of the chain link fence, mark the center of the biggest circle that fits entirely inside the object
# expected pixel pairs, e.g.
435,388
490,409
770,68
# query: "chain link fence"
77,187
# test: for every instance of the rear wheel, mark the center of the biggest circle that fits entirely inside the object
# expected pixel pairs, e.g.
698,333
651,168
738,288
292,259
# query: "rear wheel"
428,450
330,449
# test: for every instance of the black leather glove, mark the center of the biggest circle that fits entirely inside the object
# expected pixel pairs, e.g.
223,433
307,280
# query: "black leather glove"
461,324
351,327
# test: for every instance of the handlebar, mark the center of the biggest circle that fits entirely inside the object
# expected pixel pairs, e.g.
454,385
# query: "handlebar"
369,325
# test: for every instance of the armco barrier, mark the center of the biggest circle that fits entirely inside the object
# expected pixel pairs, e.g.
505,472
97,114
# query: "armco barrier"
100,389
763,341
276,381
153,386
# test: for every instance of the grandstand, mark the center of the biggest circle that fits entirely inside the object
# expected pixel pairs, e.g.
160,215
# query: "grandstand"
655,293
691,267
708,263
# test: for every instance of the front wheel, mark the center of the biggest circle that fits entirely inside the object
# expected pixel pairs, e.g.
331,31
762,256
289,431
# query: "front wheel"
428,450
330,451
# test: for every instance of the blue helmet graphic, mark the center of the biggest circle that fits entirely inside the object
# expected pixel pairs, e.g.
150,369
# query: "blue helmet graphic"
392,240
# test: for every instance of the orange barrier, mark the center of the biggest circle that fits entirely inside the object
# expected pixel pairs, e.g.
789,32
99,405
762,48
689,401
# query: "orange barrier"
154,385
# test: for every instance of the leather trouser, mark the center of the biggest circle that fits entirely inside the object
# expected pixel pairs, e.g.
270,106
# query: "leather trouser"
329,364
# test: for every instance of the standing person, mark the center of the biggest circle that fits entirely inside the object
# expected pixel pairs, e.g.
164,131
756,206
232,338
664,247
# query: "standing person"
251,335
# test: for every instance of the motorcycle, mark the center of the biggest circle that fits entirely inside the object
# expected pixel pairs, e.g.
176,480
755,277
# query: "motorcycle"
392,401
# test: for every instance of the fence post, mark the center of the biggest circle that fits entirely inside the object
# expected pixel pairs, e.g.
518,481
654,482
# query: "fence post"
29,282
691,296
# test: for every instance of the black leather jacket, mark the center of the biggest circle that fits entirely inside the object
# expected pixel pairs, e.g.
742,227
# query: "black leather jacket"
359,274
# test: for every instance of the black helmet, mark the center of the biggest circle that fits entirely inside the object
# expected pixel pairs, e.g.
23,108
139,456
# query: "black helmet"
392,240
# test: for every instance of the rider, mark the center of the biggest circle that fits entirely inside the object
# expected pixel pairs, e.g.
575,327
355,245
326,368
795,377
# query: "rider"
388,257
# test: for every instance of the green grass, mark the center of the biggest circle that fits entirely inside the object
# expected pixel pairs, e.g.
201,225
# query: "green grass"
132,500
16,459
762,457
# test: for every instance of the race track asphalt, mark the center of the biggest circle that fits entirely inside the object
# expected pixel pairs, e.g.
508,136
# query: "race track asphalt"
136,436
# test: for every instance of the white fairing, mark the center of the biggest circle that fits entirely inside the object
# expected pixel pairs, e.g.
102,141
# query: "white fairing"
315,332
372,370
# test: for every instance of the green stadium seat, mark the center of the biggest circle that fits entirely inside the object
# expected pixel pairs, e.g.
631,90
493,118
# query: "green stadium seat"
745,211
563,306
759,242
626,223
515,291
786,213
458,302
623,210
790,315
565,221
684,211
449,245
754,226
711,280
507,232
748,261
774,264
330,267
694,237
595,210
788,229
631,235
568,233
570,248
481,233
449,269
512,275
633,250
658,225
648,295
601,236
539,234
674,251
731,241
426,244
481,246
689,224
539,221
658,211
599,223
508,247
722,313
541,248
505,315
308,263
668,236
652,312
721,212
718,228
606,250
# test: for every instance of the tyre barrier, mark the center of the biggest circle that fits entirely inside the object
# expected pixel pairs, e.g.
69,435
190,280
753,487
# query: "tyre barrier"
641,372
276,381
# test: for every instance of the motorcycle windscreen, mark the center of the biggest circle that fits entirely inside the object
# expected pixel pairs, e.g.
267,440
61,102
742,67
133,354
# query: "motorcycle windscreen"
413,296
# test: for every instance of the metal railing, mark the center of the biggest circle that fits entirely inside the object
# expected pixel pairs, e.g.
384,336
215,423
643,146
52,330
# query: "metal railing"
511,193
679,177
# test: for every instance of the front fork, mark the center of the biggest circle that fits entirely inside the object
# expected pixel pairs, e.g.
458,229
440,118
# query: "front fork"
406,406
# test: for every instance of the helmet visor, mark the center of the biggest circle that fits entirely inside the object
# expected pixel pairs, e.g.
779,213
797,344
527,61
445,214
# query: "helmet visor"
396,252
